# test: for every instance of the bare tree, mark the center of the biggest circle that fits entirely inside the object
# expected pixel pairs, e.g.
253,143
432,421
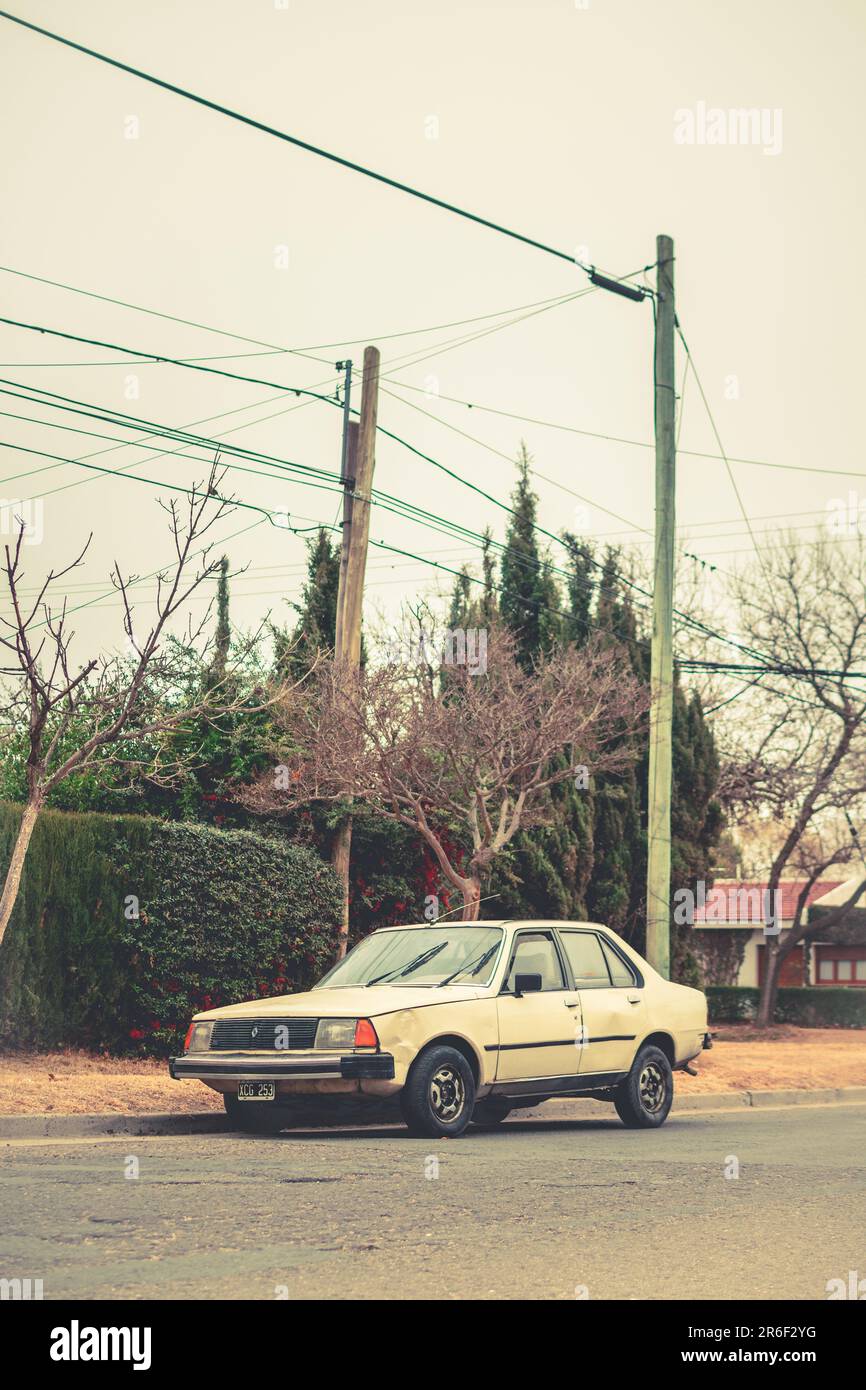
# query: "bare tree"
799,757
457,753
75,716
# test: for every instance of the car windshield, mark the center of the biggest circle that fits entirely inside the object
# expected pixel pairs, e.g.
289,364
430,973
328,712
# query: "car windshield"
433,956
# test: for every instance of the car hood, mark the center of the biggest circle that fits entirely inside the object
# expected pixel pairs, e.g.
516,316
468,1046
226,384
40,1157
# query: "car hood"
360,1002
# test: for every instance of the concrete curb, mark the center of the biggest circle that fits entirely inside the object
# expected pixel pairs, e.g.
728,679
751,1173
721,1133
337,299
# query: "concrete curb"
83,1126
729,1100
213,1122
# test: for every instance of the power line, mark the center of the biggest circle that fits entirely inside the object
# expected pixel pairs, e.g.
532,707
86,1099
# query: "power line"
286,390
386,501
266,129
179,435
407,510
685,663
269,513
721,447
259,573
779,669
630,584
312,394
107,415
621,439
171,361
388,434
304,351
543,477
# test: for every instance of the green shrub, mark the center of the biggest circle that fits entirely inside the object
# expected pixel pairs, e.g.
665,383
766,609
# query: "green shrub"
126,926
809,1008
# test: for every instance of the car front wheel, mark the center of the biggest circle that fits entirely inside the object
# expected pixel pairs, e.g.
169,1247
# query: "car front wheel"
439,1095
643,1100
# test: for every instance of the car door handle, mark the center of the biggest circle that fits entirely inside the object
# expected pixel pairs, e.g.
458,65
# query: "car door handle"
633,998
571,1005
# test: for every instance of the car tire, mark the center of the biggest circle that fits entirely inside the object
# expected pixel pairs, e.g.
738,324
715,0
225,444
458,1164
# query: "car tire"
490,1113
438,1098
254,1117
644,1099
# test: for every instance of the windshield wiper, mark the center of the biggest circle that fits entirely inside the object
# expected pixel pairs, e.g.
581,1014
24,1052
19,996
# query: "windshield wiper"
463,969
413,965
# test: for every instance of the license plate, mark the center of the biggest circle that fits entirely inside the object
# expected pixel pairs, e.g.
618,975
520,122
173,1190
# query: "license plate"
257,1090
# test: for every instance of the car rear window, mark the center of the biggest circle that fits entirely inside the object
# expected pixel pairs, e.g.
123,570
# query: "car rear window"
587,959
620,973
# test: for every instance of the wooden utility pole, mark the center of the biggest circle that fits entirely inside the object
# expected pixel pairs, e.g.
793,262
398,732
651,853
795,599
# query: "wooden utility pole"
658,890
359,458
350,435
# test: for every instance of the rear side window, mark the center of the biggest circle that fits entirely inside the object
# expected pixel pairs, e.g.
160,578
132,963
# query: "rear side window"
620,973
587,960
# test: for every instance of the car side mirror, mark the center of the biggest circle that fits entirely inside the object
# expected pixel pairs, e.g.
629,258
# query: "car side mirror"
526,984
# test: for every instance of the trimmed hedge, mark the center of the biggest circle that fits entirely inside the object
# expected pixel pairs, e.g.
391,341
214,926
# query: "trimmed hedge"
810,1008
126,926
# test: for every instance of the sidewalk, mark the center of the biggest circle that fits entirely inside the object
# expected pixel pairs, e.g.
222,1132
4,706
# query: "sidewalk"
742,1063
364,1115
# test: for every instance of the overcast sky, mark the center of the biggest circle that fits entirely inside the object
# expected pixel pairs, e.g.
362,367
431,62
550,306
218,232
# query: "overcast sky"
569,123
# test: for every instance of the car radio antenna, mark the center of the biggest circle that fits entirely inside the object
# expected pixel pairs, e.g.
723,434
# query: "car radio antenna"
437,920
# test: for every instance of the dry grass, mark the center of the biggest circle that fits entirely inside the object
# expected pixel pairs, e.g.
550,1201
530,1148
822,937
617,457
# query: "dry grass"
84,1083
77,1083
744,1058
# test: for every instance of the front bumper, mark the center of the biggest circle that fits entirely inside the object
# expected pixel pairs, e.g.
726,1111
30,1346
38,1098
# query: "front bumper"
374,1066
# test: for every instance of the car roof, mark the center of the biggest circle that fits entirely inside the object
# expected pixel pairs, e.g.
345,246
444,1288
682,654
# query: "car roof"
534,923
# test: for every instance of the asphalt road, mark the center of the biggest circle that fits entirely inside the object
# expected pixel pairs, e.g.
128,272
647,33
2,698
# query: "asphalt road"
541,1208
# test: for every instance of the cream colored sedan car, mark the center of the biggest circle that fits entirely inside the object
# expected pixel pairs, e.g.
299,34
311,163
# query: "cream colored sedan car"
462,1022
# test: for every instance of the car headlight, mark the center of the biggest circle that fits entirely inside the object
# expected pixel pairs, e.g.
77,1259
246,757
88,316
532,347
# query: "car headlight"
336,1032
198,1037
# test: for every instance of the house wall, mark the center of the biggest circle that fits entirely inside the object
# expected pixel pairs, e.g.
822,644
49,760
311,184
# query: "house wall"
749,971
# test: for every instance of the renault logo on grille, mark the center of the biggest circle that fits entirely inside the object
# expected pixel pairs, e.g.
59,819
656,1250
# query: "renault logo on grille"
255,1032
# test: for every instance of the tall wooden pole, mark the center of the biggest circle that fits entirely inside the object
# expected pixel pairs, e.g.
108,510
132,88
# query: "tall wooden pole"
346,472
359,463
658,892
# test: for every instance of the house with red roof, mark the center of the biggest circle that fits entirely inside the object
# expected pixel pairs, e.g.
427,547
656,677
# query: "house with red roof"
731,922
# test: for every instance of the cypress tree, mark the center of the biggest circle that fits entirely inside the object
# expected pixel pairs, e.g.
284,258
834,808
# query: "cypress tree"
617,889
618,840
547,870
580,588
315,629
222,637
529,599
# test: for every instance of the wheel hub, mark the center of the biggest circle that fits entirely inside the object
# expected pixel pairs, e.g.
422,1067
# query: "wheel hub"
652,1088
447,1094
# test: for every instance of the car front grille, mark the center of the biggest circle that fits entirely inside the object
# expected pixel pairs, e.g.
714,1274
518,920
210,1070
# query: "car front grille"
263,1034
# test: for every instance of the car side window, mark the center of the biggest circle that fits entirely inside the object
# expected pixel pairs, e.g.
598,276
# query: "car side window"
536,954
587,960
620,973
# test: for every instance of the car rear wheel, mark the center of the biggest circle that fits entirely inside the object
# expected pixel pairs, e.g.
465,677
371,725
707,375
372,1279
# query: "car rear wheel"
439,1095
490,1113
255,1116
644,1099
